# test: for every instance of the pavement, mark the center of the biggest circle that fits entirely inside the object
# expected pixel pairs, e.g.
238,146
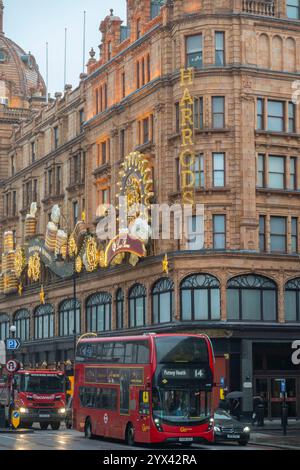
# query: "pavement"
271,435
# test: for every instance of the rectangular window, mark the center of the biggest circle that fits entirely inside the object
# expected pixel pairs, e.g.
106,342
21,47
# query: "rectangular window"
199,171
138,74
219,232
220,48
35,190
122,144
294,233
198,113
293,9
146,133
58,180
50,182
75,212
195,238
14,204
12,165
194,51
177,118
155,8
260,114
123,84
278,234
292,124
103,153
276,116
276,172
81,120
218,169
33,152
218,112
293,173
261,171
56,137
262,233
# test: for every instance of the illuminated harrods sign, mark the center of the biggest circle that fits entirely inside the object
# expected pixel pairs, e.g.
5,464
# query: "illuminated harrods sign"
187,154
127,244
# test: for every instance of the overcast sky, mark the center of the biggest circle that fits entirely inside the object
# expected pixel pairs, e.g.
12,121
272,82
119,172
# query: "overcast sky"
32,23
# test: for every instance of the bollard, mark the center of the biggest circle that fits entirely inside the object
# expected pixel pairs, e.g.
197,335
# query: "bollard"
284,418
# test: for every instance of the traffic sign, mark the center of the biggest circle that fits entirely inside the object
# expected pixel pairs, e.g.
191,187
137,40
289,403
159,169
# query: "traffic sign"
13,344
12,366
283,386
15,419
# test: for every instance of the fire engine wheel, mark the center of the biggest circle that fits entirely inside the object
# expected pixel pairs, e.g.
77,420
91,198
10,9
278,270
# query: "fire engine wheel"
129,435
55,426
44,426
88,429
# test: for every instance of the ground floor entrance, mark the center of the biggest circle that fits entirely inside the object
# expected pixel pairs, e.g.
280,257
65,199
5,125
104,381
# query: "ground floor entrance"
269,389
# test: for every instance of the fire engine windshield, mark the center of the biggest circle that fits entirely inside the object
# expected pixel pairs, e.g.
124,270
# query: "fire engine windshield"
42,384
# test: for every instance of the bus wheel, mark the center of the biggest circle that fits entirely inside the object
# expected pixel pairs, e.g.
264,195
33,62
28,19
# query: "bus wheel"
129,436
44,426
55,426
88,429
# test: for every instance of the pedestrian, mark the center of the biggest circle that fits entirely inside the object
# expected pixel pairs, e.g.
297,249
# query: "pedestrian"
256,402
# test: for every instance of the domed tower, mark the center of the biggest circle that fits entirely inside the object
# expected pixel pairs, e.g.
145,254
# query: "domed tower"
22,92
21,83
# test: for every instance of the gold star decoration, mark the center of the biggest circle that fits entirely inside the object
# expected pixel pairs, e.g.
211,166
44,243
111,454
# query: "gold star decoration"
165,265
20,289
42,296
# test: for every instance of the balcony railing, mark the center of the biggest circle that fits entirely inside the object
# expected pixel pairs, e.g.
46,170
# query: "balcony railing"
259,7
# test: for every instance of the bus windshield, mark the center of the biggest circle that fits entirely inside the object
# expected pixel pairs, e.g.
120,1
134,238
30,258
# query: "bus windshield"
42,384
178,349
181,406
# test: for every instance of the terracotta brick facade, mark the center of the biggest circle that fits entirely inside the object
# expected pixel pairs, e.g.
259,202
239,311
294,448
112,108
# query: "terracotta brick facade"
138,76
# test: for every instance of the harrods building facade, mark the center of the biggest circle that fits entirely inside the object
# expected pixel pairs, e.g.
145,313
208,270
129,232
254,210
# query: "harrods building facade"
243,287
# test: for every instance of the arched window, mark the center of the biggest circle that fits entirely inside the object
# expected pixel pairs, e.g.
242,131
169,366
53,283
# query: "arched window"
163,301
44,322
4,326
69,317
120,308
22,323
137,305
200,298
98,311
251,298
292,300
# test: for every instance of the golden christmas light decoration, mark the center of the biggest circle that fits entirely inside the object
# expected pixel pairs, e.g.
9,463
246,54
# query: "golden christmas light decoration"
83,216
101,257
20,261
91,254
78,265
165,265
42,296
73,250
34,267
20,289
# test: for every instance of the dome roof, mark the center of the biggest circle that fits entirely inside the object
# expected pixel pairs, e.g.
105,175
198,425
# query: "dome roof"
20,78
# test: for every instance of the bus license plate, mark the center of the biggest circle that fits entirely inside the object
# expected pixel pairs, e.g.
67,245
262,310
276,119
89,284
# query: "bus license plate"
186,439
233,436
44,416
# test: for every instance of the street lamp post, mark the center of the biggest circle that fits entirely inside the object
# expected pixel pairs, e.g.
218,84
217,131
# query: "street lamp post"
12,330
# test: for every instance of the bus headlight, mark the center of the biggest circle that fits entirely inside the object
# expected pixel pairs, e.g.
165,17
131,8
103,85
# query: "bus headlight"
23,411
211,423
62,411
246,429
158,425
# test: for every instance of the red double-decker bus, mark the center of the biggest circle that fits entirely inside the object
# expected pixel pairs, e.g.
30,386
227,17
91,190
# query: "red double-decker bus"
147,389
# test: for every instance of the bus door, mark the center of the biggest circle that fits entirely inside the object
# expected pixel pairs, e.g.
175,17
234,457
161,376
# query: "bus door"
142,425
